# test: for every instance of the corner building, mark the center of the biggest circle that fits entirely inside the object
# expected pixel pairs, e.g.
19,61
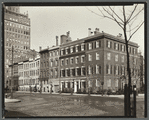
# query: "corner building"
97,60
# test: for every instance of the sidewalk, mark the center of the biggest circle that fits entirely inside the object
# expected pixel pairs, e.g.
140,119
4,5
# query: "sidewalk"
119,96
7,100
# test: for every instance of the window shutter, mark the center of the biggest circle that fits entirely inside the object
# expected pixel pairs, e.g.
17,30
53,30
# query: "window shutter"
114,69
99,43
95,43
114,45
118,46
92,45
107,69
84,47
110,44
68,50
87,46
111,69
118,70
79,71
95,69
100,69
73,49
107,43
79,47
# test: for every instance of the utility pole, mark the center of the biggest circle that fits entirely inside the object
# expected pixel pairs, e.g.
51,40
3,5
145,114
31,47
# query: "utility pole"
12,76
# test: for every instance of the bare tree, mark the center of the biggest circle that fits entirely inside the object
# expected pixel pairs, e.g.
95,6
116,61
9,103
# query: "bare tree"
126,18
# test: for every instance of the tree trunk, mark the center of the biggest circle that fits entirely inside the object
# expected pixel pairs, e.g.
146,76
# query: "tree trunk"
128,72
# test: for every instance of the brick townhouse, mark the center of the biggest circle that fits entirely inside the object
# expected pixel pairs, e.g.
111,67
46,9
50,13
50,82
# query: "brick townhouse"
99,59
49,69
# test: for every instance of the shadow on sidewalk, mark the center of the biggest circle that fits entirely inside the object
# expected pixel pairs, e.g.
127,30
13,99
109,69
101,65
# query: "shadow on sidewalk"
14,114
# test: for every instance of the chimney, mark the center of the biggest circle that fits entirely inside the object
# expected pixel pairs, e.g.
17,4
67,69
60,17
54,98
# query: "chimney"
89,32
40,48
56,40
119,35
96,31
68,33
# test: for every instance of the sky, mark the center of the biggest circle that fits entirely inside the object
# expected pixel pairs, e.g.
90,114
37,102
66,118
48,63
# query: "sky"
47,22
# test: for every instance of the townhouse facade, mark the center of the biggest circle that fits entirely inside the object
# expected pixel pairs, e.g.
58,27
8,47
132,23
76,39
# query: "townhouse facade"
29,74
49,68
97,61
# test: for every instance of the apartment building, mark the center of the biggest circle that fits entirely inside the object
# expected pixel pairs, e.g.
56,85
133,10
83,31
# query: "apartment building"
16,36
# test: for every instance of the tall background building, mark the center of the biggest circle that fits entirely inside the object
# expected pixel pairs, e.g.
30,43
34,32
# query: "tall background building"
16,37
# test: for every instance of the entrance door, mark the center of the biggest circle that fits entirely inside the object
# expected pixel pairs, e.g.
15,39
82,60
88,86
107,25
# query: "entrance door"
56,88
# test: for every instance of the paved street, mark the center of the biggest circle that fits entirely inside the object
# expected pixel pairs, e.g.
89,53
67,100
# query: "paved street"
35,105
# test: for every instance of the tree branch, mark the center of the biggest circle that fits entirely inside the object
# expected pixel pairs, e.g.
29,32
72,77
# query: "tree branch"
132,12
135,31
119,23
115,13
135,15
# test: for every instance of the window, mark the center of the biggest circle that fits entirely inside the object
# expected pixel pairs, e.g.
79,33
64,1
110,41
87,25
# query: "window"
109,44
109,69
116,83
97,44
51,63
109,83
90,46
122,70
77,60
97,56
57,52
67,61
122,58
82,47
56,62
89,57
62,62
97,69
129,49
82,58
89,70
83,70
108,56
61,52
71,60
116,57
135,61
116,46
76,48
71,49
66,49
53,53
97,83
116,69
122,48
